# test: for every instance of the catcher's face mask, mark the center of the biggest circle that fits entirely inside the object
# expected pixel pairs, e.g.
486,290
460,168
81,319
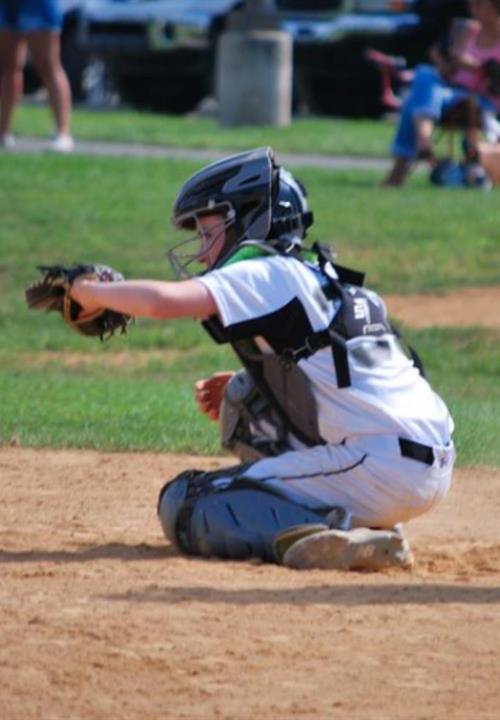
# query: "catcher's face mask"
209,242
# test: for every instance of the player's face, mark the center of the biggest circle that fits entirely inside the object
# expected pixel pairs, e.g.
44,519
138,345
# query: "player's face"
212,231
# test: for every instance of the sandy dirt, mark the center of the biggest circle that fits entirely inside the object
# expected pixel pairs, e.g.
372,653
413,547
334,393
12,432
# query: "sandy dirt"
469,306
101,619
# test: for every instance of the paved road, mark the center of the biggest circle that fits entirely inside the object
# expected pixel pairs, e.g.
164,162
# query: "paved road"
120,149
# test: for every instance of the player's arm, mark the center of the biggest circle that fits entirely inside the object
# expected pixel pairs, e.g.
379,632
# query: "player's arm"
156,299
161,301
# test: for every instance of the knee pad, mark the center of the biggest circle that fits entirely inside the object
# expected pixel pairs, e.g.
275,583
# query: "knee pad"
172,498
178,497
240,521
216,515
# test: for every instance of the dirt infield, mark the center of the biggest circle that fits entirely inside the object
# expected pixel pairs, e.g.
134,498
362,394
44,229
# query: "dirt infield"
101,619
468,306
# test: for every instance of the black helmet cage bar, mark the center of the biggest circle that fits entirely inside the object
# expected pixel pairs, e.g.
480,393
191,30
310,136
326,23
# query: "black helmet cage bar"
193,249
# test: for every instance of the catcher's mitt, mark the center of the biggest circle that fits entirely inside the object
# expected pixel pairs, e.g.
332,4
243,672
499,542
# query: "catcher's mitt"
52,293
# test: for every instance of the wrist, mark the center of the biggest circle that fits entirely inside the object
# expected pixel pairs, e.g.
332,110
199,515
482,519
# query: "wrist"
83,292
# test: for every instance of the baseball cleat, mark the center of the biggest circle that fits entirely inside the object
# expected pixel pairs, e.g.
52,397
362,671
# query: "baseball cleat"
358,549
285,539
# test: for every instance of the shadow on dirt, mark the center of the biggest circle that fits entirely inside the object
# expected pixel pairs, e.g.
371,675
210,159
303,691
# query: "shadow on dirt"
110,551
359,594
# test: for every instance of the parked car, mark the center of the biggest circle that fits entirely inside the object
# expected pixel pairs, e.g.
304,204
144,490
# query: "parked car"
74,56
161,53
336,78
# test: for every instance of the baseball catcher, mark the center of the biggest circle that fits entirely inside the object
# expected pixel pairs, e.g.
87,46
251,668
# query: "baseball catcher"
52,292
339,435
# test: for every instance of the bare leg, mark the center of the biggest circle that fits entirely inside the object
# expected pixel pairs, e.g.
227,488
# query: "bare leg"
45,48
398,173
12,59
424,128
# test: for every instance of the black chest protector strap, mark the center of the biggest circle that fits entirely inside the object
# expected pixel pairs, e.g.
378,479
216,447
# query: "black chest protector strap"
353,307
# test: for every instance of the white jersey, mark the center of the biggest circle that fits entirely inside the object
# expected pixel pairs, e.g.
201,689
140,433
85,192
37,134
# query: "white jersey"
281,297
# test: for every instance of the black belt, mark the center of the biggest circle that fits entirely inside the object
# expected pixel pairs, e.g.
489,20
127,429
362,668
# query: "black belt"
416,451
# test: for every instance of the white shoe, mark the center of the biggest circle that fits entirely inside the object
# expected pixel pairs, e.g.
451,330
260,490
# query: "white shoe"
7,142
62,144
284,540
358,549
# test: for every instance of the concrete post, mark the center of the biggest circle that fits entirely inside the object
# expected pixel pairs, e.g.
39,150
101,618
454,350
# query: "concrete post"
254,76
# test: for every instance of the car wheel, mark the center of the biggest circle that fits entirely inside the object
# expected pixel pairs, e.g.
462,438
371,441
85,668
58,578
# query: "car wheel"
74,60
356,96
173,97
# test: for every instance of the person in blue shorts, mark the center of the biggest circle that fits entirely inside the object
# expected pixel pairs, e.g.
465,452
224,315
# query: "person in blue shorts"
33,26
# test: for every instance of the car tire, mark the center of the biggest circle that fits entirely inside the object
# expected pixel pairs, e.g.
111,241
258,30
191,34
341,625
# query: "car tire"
174,97
355,95
74,60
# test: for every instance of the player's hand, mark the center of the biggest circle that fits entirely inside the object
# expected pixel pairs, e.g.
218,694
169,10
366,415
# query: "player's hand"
79,292
208,393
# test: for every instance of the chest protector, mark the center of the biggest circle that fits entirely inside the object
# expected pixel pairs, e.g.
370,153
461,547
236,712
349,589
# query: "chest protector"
285,386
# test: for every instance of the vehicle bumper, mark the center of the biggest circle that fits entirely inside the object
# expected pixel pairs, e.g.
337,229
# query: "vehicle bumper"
350,25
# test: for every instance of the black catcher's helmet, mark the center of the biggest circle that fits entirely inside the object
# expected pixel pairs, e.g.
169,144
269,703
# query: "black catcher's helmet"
258,199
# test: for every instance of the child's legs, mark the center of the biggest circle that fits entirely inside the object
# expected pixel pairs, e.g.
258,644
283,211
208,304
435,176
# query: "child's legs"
424,105
368,477
12,60
226,514
237,512
44,47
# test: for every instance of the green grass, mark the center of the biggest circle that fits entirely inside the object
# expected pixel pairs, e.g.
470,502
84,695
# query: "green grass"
116,210
62,401
307,135
47,403
58,389
463,364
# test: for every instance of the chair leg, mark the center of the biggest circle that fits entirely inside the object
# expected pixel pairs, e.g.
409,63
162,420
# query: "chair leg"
398,173
451,144
472,140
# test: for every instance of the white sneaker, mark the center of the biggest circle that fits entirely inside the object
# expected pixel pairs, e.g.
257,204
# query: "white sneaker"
62,144
358,549
7,142
284,540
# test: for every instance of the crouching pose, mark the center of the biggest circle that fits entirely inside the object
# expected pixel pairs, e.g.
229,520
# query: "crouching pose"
340,437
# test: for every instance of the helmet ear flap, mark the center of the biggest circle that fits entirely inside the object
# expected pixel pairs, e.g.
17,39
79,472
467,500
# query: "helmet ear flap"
291,216
275,183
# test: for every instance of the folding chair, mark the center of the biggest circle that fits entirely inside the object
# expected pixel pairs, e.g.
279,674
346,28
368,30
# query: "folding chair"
464,120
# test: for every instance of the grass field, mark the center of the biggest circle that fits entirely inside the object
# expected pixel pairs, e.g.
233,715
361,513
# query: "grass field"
306,135
58,389
316,135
